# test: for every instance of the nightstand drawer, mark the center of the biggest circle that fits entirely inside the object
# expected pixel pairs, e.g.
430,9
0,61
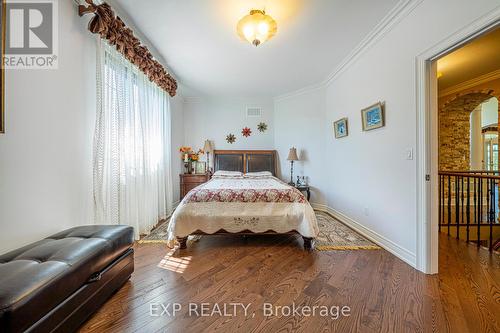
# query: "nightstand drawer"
188,187
189,179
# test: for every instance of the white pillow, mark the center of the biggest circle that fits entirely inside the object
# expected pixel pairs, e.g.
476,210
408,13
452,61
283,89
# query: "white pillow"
222,173
261,174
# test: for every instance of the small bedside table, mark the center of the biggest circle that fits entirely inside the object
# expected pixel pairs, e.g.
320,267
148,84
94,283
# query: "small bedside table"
305,188
190,181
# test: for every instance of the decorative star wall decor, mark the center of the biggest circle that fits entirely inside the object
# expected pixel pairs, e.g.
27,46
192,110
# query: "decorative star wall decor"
246,132
262,127
230,138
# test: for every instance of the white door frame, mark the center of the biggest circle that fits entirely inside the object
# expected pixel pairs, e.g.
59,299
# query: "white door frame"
427,140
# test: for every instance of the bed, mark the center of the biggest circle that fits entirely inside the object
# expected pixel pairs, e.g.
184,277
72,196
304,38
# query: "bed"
244,197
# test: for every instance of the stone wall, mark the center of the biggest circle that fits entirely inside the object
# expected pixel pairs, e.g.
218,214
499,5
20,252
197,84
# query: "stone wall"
454,130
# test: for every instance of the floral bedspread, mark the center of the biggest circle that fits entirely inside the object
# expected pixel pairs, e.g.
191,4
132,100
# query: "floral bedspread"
249,195
236,204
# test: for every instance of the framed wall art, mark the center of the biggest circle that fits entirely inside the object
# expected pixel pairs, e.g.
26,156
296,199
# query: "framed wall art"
373,116
340,128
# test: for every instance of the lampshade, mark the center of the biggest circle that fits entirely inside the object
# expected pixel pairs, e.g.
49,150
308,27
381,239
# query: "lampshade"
292,155
207,148
257,27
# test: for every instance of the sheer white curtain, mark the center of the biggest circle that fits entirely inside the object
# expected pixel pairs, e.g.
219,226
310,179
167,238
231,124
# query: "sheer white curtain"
132,173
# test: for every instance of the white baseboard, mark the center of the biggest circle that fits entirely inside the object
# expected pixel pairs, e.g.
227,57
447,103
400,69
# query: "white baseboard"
397,250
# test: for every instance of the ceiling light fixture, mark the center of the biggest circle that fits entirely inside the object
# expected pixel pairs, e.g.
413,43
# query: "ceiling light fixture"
257,27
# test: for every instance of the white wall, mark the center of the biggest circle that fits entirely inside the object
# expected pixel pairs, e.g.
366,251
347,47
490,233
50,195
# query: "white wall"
215,118
368,177
489,112
300,122
177,111
46,152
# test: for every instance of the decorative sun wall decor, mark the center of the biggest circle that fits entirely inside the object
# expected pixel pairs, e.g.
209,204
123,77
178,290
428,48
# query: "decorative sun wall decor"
262,127
246,132
230,138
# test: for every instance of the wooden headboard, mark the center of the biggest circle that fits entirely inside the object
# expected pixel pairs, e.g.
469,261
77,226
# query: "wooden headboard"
245,160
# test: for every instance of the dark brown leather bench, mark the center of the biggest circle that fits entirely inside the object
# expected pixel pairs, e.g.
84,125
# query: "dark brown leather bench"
55,284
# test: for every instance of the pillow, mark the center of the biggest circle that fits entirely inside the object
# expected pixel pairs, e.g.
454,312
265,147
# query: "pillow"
222,173
261,174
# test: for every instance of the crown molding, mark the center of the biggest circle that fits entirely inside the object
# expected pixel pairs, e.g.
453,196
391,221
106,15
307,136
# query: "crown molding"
301,91
398,13
471,83
402,9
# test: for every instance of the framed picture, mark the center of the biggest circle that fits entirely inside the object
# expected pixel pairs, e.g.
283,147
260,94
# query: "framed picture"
340,128
373,117
200,167
2,70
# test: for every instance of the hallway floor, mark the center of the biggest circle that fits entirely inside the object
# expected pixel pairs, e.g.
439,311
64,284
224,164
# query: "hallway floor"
384,293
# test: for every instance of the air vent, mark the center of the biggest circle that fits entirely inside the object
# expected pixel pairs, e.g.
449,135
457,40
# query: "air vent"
254,112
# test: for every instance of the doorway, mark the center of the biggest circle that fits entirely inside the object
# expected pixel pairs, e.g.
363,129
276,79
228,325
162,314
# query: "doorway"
429,181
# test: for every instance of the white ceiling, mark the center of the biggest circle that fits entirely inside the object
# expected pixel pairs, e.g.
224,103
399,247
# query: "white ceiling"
198,40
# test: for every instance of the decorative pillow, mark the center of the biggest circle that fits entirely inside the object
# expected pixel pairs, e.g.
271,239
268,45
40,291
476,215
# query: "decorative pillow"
226,174
261,174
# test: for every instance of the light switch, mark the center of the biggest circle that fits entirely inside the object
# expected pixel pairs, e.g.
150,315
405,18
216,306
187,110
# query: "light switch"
409,154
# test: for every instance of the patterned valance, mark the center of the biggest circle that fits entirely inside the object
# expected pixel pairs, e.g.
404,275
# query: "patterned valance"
111,27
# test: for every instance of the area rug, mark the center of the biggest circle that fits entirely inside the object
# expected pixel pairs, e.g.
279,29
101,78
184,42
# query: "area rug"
333,235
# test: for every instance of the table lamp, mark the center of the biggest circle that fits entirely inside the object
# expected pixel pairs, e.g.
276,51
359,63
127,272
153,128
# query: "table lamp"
292,156
207,148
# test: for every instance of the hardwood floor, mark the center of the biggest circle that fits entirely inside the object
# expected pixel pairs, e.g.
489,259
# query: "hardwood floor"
384,293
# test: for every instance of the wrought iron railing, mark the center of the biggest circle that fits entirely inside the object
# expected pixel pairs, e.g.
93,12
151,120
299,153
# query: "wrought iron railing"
469,206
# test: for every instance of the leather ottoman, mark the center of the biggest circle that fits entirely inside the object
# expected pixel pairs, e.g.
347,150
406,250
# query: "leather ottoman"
55,284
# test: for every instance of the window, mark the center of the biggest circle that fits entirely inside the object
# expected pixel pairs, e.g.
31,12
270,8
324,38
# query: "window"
132,173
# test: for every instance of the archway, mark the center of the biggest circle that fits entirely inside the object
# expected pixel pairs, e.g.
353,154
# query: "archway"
455,129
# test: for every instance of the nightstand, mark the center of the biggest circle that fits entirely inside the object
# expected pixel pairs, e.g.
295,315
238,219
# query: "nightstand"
190,181
305,188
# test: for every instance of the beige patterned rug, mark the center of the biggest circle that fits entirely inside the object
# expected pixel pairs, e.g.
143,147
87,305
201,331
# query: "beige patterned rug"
333,235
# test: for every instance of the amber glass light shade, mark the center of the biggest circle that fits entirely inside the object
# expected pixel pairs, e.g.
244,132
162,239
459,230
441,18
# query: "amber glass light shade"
257,27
